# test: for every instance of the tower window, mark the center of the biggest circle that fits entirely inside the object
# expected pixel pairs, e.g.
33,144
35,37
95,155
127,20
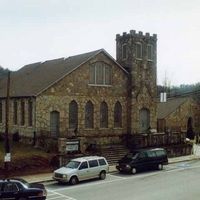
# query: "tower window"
150,52
124,51
138,50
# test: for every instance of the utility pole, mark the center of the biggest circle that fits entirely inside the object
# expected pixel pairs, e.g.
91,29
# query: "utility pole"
7,144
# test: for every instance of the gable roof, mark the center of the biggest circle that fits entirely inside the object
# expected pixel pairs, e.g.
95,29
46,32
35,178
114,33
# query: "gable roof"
166,108
34,78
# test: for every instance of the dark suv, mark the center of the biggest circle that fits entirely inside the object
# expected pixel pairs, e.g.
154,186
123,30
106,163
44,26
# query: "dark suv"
19,189
143,160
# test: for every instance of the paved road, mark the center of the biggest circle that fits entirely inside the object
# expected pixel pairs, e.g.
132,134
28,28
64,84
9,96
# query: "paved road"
180,181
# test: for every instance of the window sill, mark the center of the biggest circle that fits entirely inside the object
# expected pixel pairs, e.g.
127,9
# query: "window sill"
99,85
104,128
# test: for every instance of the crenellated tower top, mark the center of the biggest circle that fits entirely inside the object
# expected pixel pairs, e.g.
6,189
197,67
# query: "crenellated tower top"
133,33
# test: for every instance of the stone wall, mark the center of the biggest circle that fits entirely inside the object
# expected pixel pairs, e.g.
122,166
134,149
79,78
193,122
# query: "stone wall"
179,118
75,86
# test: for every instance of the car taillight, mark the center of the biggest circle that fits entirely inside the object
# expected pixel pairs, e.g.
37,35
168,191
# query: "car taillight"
41,194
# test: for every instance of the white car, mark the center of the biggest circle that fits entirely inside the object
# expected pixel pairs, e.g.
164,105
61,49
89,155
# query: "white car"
82,168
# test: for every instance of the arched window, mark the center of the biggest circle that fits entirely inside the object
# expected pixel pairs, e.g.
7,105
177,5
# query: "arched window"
54,123
15,112
22,113
73,115
103,115
190,132
118,115
30,113
89,115
1,112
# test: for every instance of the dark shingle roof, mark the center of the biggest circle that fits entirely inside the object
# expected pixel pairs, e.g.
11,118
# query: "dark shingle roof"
166,108
34,78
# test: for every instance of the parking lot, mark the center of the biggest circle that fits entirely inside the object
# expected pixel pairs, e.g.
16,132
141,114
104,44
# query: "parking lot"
117,184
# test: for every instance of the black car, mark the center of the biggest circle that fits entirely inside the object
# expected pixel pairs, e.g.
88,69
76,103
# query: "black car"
19,189
143,160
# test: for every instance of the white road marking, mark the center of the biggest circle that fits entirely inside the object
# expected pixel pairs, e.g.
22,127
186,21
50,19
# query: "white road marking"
57,196
183,168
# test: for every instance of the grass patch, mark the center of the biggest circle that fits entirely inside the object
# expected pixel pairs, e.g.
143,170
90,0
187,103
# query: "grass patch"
25,159
21,151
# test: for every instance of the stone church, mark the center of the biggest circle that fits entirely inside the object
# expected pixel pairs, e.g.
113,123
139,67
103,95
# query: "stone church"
90,96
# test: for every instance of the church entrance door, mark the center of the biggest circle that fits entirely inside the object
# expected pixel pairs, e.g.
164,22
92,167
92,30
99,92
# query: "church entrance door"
144,120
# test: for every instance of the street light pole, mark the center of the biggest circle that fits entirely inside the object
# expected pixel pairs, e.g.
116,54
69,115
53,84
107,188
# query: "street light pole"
7,144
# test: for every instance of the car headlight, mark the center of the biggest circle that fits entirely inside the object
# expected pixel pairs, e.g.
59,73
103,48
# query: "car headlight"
64,176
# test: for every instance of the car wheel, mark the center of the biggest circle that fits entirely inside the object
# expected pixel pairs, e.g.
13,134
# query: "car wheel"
102,175
73,180
133,170
120,170
160,166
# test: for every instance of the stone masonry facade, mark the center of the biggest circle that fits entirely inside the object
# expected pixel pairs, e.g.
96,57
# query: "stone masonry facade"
75,87
131,88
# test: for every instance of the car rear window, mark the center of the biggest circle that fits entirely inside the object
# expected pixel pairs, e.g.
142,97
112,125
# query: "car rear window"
102,162
93,163
151,154
160,153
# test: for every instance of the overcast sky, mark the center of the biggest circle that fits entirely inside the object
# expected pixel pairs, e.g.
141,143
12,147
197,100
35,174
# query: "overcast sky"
39,30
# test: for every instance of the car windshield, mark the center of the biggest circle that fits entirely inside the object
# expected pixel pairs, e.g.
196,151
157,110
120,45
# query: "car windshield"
25,183
73,164
132,155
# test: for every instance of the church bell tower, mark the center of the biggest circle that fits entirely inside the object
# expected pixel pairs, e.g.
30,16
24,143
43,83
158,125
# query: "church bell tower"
137,53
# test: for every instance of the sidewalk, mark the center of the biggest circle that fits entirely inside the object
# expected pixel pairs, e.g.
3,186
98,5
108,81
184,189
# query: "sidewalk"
46,177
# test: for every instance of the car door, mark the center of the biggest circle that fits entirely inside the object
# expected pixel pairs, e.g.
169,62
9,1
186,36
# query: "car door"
9,191
93,168
83,171
152,159
142,161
